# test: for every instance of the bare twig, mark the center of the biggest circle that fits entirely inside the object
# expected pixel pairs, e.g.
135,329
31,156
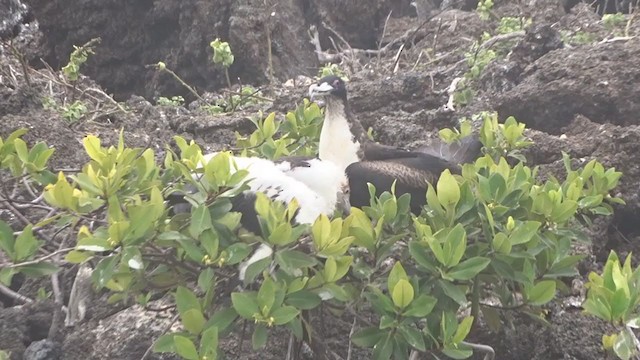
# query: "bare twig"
490,354
396,62
450,106
353,330
14,295
58,297
616,39
159,67
384,31
39,260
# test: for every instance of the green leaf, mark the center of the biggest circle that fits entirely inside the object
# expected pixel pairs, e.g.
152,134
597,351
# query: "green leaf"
457,240
237,252
259,337
501,243
256,268
542,292
93,148
77,257
413,336
281,235
6,274
186,299
200,221
463,330
453,291
619,304
266,295
205,279
193,320
367,337
469,268
284,314
209,343
222,319
379,301
596,307
303,300
6,239
185,348
21,150
245,304
448,190
402,294
26,244
419,253
421,306
396,274
384,347
291,260
164,344
524,232
624,346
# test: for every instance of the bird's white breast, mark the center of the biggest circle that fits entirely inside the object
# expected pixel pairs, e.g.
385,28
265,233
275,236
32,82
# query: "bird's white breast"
336,140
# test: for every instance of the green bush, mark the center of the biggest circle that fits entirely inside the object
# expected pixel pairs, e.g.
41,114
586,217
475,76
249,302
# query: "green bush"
494,231
614,296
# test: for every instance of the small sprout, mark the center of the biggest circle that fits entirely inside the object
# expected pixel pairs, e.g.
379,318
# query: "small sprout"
222,54
174,101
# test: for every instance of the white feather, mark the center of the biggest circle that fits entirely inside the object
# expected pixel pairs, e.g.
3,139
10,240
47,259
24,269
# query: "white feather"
337,143
315,187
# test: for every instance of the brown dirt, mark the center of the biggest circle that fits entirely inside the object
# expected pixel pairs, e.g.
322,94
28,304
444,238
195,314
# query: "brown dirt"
577,99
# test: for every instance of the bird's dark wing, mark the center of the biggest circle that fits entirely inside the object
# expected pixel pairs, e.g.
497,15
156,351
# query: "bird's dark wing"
374,151
462,151
411,176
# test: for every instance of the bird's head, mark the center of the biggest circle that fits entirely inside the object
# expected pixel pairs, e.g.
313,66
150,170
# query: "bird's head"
330,85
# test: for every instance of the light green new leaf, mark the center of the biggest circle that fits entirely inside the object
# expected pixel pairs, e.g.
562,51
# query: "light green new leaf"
448,190
402,294
396,274
193,320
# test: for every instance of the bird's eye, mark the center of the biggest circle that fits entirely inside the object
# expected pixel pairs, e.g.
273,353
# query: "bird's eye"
336,83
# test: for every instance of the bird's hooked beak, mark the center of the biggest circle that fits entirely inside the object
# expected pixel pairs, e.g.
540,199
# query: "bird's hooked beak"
319,90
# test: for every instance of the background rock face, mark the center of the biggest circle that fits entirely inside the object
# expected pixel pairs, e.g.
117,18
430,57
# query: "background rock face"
138,33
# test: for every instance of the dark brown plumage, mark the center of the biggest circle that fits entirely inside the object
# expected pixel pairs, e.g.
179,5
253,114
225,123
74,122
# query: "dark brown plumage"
366,161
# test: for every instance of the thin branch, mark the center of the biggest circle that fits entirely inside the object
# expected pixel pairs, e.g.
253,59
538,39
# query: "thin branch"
39,260
14,295
450,106
490,354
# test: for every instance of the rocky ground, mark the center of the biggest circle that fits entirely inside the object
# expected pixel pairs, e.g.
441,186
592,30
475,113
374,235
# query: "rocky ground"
575,95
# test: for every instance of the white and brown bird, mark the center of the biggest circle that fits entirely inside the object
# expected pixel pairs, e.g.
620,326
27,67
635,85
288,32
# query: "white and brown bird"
319,187
344,142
